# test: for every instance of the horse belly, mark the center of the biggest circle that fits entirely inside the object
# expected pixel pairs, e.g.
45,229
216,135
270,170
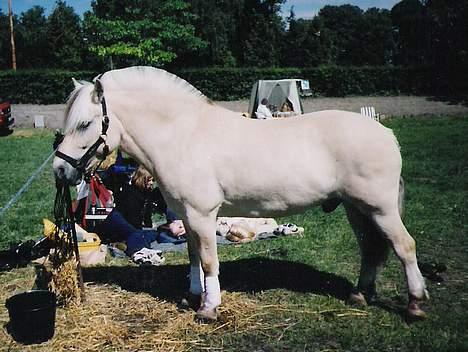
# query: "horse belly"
278,196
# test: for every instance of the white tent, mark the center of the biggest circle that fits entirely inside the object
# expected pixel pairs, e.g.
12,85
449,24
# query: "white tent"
277,92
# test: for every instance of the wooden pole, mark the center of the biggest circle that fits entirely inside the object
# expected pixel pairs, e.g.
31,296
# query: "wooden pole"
12,37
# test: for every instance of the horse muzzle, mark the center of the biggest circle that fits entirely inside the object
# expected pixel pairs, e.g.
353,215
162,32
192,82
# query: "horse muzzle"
65,172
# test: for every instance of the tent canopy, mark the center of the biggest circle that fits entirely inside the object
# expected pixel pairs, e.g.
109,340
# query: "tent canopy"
277,92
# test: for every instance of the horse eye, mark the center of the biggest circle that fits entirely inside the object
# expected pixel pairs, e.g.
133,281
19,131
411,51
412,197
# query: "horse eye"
84,125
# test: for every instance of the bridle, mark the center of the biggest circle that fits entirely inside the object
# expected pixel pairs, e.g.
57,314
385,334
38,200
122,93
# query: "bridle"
80,164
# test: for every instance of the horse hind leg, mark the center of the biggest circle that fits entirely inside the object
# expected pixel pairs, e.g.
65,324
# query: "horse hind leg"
391,225
374,251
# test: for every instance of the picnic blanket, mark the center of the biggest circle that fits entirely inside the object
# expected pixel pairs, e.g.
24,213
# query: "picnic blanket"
237,230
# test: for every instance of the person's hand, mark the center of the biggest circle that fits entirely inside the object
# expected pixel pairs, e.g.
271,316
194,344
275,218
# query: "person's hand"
177,228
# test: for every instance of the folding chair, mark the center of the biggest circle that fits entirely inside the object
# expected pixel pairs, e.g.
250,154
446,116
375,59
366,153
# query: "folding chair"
369,111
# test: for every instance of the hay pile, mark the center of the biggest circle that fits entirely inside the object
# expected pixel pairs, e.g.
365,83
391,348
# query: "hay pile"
117,320
64,282
113,319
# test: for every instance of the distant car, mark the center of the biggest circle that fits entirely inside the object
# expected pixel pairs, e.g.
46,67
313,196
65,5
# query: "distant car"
6,121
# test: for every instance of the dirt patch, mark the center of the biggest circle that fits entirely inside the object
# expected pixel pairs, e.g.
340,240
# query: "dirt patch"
25,114
388,106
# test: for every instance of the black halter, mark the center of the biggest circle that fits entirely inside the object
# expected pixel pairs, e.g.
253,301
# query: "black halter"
81,163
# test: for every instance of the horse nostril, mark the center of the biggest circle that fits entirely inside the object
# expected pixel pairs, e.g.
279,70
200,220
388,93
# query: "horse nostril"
60,172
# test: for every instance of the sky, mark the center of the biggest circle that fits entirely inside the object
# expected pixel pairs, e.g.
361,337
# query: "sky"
302,8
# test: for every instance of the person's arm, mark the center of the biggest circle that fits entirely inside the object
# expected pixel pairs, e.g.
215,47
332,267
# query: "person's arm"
158,202
131,206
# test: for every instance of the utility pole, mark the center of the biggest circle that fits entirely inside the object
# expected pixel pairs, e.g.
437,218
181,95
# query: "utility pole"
12,37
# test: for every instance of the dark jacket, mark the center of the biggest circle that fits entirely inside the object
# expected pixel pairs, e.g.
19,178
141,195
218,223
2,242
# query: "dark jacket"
137,205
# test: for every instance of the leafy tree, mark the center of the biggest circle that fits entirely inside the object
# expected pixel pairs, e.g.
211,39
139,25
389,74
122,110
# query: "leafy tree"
65,37
448,43
216,22
344,24
5,51
306,43
376,38
32,40
261,31
410,21
141,31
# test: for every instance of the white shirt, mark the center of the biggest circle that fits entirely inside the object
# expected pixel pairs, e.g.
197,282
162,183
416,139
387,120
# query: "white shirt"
263,112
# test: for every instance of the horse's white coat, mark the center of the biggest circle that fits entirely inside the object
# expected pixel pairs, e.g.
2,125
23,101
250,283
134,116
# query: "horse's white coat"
210,161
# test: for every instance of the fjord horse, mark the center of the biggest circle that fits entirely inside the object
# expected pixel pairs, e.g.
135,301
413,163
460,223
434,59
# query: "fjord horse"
209,161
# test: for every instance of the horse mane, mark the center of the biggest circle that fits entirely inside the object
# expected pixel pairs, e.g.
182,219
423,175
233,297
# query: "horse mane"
131,79
151,79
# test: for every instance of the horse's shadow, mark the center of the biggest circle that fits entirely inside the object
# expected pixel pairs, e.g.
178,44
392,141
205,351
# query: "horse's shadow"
245,275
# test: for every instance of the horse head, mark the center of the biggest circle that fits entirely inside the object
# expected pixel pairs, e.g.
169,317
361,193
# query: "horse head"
90,132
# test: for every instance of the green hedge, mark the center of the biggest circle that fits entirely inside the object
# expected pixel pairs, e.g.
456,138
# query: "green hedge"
53,87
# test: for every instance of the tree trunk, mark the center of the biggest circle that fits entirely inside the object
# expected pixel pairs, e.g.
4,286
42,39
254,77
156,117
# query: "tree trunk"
12,37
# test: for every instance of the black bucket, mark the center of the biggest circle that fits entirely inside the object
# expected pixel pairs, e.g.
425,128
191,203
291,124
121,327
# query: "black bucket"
32,316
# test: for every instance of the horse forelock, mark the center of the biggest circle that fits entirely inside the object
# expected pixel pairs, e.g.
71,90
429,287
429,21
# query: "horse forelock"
79,106
150,79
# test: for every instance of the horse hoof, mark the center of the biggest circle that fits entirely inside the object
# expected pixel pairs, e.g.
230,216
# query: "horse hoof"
192,301
206,315
414,312
357,299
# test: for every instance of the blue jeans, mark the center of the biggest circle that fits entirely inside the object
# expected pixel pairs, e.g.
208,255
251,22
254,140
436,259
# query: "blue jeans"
116,227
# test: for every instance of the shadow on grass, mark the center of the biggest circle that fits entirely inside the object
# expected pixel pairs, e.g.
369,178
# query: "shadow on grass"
5,132
246,275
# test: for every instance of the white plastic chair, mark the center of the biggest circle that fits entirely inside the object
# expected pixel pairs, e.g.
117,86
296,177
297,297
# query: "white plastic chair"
369,111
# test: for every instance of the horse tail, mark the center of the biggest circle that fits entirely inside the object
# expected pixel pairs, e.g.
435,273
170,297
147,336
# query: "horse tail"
401,197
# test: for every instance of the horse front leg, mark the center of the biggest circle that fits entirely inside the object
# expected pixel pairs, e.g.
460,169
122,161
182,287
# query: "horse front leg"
203,252
196,276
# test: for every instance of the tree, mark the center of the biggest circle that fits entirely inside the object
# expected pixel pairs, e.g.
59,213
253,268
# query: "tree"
448,43
343,26
306,43
376,38
410,21
32,40
141,31
5,49
65,37
216,22
260,32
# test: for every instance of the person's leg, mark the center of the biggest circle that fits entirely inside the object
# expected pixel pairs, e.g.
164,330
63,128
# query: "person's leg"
140,239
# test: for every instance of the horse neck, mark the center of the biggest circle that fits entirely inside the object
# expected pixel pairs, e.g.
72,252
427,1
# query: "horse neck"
152,124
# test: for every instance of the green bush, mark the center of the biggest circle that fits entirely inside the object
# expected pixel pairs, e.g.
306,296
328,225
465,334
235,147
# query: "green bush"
53,87
39,86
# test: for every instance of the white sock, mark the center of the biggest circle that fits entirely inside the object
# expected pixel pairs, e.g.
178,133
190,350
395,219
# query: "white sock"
213,292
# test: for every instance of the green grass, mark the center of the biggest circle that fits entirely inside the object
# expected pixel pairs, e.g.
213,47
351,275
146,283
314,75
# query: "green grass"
309,274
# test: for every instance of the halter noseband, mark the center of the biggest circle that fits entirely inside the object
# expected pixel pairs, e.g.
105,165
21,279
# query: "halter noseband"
80,164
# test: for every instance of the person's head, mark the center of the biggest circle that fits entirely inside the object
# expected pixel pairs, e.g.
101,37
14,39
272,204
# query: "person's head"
142,179
285,107
264,101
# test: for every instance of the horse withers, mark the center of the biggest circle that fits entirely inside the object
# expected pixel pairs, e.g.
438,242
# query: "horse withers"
209,162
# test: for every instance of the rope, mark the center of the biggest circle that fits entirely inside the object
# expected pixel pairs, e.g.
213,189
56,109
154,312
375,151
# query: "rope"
67,244
25,186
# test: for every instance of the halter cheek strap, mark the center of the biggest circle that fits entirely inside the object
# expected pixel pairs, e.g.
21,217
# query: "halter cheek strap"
80,164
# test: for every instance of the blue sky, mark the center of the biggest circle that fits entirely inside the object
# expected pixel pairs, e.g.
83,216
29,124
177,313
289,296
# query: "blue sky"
302,8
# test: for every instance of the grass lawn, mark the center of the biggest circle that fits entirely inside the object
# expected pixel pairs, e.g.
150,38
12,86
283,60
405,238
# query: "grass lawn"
285,294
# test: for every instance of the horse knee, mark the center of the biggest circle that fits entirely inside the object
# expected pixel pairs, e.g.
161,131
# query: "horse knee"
406,249
209,265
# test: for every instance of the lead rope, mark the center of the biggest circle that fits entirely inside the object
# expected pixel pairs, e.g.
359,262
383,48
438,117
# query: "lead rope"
65,240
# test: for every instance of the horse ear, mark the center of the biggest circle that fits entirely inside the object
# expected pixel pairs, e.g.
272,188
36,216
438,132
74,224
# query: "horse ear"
98,90
76,83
